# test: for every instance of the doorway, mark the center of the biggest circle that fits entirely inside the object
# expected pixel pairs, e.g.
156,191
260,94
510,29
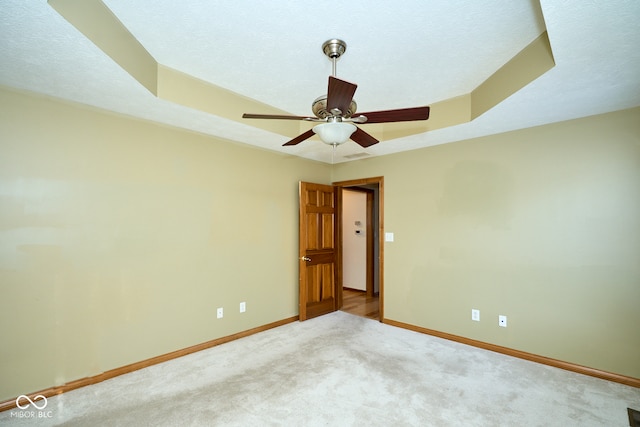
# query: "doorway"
360,246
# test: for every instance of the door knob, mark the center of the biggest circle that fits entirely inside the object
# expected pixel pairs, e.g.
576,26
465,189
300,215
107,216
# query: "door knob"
304,258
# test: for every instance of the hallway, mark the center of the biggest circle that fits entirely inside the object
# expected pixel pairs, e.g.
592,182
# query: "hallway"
357,302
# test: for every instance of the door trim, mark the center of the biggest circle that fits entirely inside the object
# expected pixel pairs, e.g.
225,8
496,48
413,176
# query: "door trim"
379,180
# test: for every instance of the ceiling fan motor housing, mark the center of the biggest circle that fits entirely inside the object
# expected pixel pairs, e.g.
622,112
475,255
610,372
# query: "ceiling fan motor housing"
319,108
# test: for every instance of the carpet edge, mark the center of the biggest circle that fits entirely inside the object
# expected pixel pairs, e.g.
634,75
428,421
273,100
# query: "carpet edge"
112,373
567,366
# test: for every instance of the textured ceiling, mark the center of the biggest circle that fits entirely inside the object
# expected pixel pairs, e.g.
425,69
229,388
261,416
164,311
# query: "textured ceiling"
401,54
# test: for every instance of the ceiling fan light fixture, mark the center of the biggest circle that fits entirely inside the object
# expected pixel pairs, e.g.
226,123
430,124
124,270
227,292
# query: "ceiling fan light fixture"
334,133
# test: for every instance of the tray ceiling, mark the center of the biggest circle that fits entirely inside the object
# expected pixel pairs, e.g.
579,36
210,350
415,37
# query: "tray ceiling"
401,54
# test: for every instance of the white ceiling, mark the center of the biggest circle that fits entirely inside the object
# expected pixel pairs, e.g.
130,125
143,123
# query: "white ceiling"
401,54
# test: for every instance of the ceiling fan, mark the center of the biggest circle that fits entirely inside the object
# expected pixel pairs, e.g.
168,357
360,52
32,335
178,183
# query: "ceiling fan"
336,111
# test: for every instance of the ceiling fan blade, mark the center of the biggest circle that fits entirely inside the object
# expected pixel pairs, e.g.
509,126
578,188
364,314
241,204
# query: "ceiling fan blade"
363,138
275,116
340,94
400,115
298,139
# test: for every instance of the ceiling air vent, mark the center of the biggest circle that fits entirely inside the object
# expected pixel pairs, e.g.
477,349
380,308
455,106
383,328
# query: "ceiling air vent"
356,155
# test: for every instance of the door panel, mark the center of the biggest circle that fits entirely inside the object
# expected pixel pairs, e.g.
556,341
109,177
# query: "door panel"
317,250
328,231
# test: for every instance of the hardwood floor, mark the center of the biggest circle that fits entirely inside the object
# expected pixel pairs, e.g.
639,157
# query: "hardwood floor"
357,302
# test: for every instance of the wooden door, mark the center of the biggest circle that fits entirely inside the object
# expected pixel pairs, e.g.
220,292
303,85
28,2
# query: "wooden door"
317,250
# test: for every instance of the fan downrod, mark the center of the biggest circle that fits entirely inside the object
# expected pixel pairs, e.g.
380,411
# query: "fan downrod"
333,49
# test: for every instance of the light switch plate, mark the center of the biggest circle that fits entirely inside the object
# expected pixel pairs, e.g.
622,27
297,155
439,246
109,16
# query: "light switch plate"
388,237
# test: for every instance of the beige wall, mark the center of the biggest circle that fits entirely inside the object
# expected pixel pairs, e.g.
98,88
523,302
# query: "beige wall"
541,225
120,238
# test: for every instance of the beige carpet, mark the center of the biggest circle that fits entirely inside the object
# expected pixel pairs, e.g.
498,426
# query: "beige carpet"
344,370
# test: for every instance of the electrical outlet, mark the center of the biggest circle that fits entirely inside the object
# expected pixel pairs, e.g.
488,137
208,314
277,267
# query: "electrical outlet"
502,321
475,314
243,307
220,313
